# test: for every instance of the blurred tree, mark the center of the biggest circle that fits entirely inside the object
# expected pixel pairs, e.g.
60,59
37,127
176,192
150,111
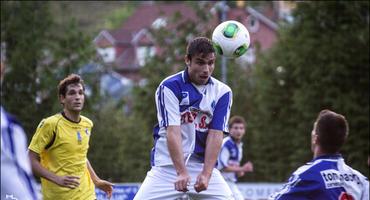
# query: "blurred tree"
321,61
39,53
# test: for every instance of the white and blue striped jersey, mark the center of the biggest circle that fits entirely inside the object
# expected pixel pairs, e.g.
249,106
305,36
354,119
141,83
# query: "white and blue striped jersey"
231,154
325,178
17,181
176,99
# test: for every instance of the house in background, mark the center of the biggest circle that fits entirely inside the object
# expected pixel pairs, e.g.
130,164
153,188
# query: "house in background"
126,48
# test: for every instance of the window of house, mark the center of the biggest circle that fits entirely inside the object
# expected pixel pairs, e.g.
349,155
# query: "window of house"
252,24
108,54
143,53
159,23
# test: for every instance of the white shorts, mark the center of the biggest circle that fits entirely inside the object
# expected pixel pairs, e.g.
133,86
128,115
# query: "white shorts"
159,185
235,190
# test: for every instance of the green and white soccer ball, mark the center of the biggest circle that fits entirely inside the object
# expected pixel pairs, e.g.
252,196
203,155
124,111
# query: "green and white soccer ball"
231,39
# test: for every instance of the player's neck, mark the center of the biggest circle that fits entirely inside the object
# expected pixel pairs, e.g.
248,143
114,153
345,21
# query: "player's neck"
319,152
72,115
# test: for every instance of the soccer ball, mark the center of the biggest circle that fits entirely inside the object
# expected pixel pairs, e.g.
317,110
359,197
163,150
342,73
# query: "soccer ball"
231,39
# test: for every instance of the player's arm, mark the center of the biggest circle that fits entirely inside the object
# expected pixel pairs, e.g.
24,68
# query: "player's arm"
40,141
39,170
174,143
104,185
213,145
217,126
247,167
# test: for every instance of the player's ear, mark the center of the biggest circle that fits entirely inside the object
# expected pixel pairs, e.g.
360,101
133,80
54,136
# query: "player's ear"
61,99
187,60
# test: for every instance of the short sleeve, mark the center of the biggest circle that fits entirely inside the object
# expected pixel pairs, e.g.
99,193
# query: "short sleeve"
297,188
42,137
221,113
168,109
223,157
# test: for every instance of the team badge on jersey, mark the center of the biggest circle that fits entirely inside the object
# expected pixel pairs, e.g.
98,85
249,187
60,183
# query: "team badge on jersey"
184,98
87,132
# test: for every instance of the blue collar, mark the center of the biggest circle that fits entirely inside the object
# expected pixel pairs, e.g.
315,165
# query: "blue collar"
187,78
329,156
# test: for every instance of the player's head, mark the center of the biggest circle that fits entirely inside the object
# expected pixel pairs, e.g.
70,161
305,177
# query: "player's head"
71,92
237,127
330,132
200,60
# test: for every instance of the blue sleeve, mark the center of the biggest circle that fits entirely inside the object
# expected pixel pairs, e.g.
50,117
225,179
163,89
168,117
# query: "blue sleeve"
298,188
221,113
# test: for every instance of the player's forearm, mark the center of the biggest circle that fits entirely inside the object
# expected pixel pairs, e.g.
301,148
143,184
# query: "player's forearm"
39,170
213,146
93,175
174,143
233,169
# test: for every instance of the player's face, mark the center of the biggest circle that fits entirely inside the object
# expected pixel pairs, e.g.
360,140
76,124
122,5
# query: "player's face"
74,98
237,131
201,67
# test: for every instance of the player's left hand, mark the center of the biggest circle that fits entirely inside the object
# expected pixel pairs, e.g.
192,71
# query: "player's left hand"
106,186
202,182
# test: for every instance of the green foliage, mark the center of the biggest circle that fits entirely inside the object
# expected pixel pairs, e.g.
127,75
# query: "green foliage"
119,145
321,61
39,53
119,15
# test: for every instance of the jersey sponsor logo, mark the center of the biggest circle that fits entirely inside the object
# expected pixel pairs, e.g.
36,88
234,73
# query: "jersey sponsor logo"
200,119
345,196
184,98
333,178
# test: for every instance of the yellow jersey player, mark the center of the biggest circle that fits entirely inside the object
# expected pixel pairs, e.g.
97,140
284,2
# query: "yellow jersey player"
58,150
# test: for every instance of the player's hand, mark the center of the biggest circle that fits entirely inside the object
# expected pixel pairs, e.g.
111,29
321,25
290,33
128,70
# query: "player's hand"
240,174
182,182
106,186
248,167
202,182
68,181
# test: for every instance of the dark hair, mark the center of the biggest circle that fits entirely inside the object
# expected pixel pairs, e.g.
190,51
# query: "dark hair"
69,80
236,120
332,131
199,45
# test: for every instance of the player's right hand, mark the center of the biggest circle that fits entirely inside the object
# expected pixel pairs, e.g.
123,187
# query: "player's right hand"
182,182
248,167
68,181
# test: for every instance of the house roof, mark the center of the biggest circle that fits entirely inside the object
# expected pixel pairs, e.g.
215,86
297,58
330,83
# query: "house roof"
146,14
263,18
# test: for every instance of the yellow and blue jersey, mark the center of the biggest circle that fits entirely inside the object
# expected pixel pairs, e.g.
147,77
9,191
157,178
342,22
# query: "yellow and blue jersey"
63,145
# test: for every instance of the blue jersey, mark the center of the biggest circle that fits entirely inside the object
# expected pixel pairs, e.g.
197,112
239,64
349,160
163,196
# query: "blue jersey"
177,99
325,178
231,154
16,177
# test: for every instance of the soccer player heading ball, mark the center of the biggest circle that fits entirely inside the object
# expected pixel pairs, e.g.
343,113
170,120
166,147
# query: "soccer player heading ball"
193,110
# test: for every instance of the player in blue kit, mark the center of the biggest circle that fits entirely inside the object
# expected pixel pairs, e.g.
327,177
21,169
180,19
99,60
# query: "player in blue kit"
327,176
232,153
17,180
193,110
